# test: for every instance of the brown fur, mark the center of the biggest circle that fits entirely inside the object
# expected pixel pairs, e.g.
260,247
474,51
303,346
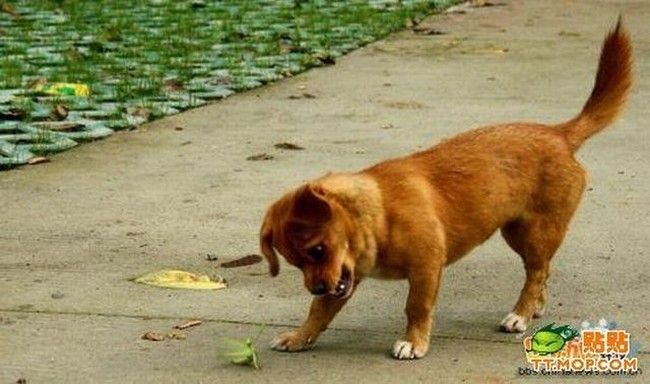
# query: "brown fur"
411,216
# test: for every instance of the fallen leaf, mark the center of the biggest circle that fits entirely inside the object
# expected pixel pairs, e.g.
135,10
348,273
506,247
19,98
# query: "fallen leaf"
173,85
175,335
38,160
387,126
430,31
179,280
8,8
260,157
37,84
289,146
325,58
178,128
68,89
304,95
188,324
60,112
242,261
153,336
143,112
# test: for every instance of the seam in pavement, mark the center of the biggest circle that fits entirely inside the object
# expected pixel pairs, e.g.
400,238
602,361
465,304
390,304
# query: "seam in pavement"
277,325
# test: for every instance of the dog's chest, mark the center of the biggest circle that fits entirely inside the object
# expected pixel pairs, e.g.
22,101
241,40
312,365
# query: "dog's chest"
387,272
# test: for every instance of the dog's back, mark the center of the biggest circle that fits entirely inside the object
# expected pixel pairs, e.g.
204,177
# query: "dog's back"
489,177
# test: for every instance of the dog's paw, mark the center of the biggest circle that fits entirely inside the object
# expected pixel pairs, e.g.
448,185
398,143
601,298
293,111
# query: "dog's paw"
405,350
514,323
292,341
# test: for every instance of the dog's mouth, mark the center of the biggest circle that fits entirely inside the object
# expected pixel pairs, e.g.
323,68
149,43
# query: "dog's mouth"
344,286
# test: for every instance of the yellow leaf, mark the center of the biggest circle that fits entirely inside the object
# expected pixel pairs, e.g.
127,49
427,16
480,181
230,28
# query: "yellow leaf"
179,280
70,89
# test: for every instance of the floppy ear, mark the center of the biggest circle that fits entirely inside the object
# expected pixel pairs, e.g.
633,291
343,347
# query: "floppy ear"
311,206
266,244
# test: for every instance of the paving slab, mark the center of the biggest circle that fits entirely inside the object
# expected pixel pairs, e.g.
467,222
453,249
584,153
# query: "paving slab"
74,231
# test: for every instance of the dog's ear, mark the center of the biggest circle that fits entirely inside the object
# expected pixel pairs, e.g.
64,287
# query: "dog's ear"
311,210
266,243
311,206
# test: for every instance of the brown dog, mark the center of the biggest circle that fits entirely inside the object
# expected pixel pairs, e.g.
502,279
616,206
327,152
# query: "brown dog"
411,216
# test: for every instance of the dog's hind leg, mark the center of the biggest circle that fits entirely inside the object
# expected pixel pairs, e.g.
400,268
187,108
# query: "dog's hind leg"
537,237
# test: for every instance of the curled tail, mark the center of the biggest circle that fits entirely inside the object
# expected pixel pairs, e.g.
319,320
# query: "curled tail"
611,87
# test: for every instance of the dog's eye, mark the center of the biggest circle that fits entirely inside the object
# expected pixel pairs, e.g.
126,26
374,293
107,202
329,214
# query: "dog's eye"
317,252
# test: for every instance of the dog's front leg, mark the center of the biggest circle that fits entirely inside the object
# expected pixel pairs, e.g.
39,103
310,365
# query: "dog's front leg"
322,311
423,290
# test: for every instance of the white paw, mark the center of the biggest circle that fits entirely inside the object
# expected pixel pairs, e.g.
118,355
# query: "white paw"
291,342
513,323
405,350
278,344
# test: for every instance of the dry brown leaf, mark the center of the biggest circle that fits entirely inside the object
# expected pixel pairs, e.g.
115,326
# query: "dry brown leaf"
60,112
289,146
8,8
260,157
242,261
430,31
153,336
37,83
141,112
38,160
188,324
173,85
175,335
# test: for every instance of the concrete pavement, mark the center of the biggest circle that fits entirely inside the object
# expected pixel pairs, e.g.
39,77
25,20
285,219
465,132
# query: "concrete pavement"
74,231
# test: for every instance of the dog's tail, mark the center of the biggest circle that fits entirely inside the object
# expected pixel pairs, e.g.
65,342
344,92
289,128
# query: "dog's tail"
611,87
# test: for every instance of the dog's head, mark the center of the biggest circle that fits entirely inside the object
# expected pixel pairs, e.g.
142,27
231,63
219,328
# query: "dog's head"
312,231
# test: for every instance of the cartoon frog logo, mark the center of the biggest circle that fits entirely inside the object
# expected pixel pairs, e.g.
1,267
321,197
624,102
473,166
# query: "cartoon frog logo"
551,339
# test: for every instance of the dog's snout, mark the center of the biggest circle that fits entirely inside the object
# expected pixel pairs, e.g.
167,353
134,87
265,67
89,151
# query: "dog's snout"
319,288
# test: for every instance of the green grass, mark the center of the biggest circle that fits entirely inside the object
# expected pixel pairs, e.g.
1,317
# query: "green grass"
160,53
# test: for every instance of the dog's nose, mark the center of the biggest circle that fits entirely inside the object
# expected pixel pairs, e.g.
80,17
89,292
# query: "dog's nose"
319,288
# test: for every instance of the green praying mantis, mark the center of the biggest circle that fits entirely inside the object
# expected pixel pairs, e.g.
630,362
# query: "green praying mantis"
242,352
